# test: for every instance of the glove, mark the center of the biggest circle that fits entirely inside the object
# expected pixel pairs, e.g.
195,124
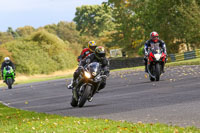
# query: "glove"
88,61
107,73
146,53
166,57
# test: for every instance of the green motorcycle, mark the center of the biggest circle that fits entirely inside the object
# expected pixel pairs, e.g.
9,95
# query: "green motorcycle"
8,76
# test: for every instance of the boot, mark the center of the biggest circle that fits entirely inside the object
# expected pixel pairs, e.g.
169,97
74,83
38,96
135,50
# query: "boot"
163,70
71,85
90,99
146,69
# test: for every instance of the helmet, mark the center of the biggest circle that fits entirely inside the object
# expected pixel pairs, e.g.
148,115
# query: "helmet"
92,45
7,60
100,52
154,36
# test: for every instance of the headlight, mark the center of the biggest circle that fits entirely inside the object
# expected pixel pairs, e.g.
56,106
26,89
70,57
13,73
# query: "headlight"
87,75
157,56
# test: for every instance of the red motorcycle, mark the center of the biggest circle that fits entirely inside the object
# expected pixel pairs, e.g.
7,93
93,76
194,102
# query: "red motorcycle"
155,63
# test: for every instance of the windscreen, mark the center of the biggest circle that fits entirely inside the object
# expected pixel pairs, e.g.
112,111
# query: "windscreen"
94,67
155,48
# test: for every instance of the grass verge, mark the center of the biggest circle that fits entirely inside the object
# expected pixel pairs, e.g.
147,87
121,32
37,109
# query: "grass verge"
185,62
18,121
179,63
23,79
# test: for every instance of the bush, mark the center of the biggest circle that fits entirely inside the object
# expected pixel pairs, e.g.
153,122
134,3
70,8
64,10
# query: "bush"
41,53
141,51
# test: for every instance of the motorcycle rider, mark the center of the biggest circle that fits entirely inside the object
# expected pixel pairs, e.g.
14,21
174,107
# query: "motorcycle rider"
154,39
87,51
97,56
7,62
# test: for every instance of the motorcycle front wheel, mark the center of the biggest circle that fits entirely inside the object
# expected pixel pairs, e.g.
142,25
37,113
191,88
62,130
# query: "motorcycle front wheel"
157,74
151,70
74,103
84,96
9,83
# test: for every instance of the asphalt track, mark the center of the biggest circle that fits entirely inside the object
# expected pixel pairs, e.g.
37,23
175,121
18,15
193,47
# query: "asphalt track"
175,100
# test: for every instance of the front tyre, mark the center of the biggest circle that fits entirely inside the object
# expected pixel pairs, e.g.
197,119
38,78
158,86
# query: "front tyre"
151,78
9,83
84,96
157,72
151,71
74,103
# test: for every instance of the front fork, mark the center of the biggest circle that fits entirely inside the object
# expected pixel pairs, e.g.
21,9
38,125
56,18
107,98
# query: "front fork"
75,89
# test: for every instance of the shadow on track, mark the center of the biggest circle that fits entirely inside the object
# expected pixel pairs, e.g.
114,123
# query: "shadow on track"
74,108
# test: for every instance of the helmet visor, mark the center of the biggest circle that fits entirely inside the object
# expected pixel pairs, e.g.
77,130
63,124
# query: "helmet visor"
101,55
155,37
7,61
92,47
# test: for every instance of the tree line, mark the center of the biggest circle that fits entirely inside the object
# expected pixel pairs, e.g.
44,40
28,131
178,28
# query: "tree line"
127,23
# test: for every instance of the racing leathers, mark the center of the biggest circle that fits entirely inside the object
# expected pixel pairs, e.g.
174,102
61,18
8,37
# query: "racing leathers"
85,52
89,59
4,64
148,44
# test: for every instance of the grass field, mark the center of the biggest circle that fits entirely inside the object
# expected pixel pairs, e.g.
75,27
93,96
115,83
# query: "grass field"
18,121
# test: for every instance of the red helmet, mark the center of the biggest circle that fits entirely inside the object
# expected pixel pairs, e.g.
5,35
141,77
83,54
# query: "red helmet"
154,36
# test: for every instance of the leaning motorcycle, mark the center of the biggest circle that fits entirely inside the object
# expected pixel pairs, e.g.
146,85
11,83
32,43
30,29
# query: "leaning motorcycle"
8,76
87,84
155,63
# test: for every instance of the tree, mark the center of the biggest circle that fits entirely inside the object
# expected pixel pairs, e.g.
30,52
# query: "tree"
176,21
12,32
67,31
189,24
24,31
94,20
128,33
64,30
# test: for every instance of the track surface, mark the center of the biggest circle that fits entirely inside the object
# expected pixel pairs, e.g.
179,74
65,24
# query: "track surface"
175,100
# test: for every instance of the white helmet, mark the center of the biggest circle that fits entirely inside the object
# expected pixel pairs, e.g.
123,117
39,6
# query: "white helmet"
7,60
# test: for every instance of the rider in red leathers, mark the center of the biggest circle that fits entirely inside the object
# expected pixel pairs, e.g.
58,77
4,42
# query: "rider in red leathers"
85,52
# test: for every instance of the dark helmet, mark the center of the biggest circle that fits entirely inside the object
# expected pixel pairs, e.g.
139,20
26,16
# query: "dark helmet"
100,52
7,60
154,36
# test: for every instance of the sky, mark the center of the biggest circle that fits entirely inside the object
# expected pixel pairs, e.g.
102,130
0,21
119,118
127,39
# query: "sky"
37,13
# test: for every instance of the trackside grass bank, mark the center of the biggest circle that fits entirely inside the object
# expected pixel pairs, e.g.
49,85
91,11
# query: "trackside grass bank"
179,63
185,62
18,121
